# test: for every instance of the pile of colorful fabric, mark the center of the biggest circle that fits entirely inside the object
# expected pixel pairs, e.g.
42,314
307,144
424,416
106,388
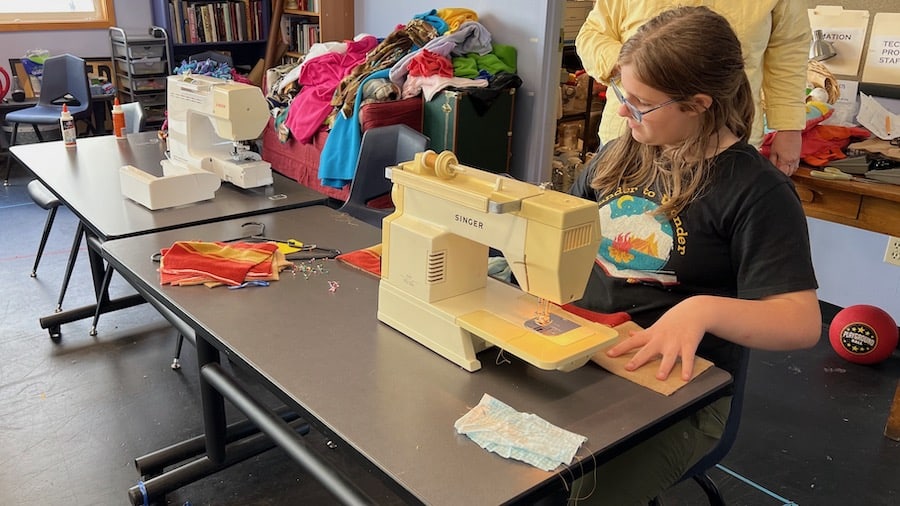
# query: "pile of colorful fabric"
217,263
435,50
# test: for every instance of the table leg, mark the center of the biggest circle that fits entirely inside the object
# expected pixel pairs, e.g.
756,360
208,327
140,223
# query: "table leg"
892,428
103,304
213,404
224,446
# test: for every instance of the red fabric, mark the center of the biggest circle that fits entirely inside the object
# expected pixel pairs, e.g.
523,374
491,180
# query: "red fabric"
611,319
368,259
821,143
194,262
425,63
409,112
381,202
825,143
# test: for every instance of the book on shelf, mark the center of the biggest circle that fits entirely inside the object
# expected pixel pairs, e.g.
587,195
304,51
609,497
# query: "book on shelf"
194,34
307,34
241,21
222,21
300,32
308,5
208,34
176,15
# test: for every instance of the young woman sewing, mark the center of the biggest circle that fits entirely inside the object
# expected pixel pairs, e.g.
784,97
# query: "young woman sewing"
705,242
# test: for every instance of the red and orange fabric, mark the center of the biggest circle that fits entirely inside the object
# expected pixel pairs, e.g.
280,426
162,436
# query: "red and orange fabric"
366,259
821,143
216,263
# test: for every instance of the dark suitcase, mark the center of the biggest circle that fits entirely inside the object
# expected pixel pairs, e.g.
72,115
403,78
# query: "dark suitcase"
479,132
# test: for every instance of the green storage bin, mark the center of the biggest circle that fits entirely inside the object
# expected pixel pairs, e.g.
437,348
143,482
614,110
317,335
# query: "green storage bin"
478,132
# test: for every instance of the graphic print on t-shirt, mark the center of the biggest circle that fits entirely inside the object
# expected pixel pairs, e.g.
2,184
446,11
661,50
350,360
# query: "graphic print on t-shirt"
635,243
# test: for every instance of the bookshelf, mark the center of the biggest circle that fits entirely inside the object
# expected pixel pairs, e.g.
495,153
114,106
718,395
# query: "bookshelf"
315,21
238,28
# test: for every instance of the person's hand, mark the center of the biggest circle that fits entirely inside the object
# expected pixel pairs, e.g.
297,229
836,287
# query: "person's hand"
785,150
676,334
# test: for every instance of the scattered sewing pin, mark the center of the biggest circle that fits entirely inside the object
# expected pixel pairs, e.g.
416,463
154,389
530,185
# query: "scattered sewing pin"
249,283
333,286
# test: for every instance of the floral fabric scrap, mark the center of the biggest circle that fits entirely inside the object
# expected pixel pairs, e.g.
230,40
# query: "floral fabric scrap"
216,263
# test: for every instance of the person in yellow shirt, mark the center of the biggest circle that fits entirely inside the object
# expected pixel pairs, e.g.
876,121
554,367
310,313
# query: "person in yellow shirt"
775,37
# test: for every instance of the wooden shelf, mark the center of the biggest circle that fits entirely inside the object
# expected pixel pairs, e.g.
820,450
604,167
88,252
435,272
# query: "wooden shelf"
869,206
335,21
301,13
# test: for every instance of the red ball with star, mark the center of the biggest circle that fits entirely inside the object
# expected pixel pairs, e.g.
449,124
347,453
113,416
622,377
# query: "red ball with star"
863,334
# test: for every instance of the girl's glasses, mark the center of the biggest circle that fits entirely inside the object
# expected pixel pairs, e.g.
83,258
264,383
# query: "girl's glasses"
636,113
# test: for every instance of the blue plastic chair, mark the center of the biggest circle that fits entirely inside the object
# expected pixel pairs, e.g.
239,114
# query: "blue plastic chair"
65,81
380,147
135,120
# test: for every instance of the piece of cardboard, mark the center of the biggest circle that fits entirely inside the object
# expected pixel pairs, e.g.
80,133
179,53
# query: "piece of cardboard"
646,375
846,30
883,56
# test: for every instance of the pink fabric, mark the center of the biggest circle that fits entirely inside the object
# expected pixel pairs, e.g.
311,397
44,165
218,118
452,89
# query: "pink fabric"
319,78
240,78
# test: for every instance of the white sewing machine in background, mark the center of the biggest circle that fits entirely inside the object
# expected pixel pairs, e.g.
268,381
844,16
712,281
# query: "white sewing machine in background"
434,286
209,119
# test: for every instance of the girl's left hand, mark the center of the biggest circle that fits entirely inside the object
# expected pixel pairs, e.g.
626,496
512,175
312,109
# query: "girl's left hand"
676,334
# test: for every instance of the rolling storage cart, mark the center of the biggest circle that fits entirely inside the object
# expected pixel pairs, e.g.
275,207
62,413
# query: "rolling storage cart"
142,65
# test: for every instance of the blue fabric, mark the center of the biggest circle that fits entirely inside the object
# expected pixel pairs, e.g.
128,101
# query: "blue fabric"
498,428
337,163
434,20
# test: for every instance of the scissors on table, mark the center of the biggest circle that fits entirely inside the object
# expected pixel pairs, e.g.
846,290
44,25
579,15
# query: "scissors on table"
292,248
835,174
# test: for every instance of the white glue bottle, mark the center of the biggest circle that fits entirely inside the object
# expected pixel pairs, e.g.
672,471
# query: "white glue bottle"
67,124
118,120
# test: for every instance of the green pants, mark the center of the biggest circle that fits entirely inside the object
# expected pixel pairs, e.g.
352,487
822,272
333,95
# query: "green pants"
648,469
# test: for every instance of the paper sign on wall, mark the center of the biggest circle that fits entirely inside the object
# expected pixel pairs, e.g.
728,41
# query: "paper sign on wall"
846,30
883,57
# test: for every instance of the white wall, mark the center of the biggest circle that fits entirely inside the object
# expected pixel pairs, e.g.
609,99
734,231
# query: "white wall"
130,14
850,269
532,26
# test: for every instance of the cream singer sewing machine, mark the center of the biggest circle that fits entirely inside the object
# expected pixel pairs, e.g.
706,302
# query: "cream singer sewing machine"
208,118
434,285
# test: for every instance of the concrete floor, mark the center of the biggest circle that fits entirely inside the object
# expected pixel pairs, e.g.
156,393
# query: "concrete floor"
75,413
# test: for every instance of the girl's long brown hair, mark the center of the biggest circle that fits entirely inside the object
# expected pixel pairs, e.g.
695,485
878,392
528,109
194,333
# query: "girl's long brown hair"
681,52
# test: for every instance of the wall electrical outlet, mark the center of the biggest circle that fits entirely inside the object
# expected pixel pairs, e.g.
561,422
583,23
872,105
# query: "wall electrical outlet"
892,253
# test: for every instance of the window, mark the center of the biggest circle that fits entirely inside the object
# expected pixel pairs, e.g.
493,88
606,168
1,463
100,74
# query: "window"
33,15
